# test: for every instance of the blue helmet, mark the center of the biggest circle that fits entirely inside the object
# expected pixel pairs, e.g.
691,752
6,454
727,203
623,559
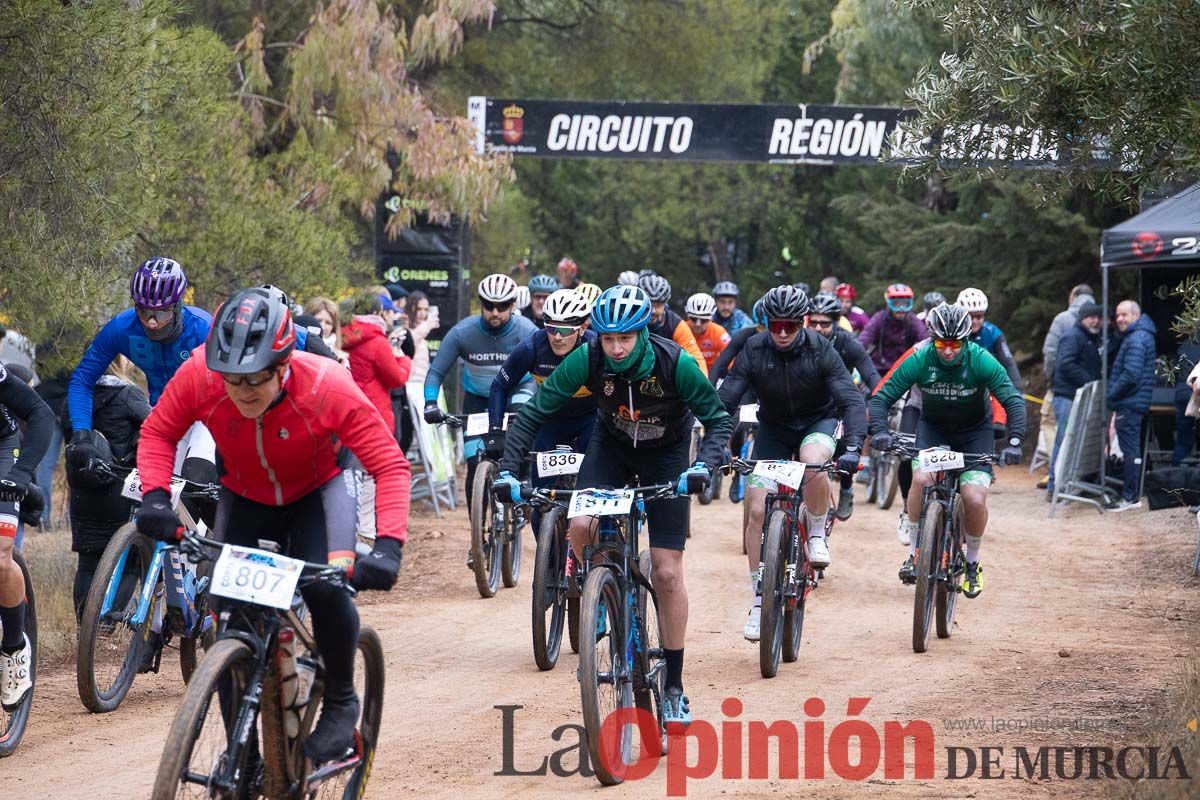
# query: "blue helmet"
756,313
540,284
621,309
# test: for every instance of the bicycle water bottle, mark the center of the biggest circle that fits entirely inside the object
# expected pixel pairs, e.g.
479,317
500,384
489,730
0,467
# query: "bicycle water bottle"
289,682
306,673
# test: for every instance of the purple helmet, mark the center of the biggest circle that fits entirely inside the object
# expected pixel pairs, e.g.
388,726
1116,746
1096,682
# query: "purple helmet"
158,283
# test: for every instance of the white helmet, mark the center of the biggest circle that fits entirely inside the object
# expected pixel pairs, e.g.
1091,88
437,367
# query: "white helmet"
627,278
701,305
566,306
522,299
972,300
497,288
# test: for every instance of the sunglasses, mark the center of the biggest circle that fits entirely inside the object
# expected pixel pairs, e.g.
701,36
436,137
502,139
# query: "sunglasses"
900,305
562,331
254,381
783,326
155,314
495,306
948,344
699,320
820,323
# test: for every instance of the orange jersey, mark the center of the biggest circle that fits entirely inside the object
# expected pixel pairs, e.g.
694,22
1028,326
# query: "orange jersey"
711,342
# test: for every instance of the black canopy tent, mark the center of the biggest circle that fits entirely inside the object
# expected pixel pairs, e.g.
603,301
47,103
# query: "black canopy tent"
1163,244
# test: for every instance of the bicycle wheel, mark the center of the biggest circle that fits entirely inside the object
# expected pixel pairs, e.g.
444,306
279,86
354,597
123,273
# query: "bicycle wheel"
884,478
573,622
110,648
12,723
196,754
510,563
487,531
604,680
549,589
892,485
793,616
650,669
929,548
947,590
774,584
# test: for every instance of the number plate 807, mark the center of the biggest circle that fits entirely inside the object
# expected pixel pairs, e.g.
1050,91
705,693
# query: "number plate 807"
256,576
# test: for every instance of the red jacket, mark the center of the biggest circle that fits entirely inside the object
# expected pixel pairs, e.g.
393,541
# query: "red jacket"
375,368
289,451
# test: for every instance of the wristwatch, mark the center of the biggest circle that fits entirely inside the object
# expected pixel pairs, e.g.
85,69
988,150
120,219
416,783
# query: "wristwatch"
1014,442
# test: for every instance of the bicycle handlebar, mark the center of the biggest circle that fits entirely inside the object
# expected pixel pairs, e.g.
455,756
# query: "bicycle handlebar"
199,546
191,489
547,495
744,466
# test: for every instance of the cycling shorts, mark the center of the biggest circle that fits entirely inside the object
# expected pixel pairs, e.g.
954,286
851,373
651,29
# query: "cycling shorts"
10,449
611,463
782,443
977,439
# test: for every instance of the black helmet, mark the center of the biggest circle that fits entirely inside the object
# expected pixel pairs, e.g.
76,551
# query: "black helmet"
933,299
827,304
656,287
948,321
252,332
785,302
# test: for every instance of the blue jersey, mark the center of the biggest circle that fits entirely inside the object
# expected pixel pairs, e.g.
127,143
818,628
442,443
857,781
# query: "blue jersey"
991,338
734,322
534,357
483,350
124,335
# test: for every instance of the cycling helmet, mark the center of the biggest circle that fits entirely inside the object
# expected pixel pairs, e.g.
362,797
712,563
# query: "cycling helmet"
158,283
589,292
621,309
725,289
543,284
804,287
627,278
566,306
642,273
523,299
899,290
948,322
701,305
846,290
933,299
567,266
656,288
756,313
827,304
252,331
497,288
973,300
785,302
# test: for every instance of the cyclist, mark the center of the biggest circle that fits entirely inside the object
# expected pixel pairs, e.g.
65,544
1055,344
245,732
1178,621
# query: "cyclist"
275,414
954,376
589,292
728,315
627,278
539,355
720,368
930,301
847,294
647,389
540,287
986,334
20,501
663,321
483,343
892,330
803,389
823,317
710,337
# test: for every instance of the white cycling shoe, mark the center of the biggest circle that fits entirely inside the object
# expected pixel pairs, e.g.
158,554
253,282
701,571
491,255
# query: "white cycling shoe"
818,552
15,678
753,620
902,529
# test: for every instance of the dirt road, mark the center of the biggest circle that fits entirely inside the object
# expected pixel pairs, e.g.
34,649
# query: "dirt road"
1082,622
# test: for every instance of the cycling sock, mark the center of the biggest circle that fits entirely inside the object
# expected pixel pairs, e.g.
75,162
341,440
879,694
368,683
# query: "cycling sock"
912,537
755,589
973,545
816,524
13,622
674,668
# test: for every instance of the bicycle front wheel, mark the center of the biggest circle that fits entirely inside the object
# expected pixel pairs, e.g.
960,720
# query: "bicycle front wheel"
947,590
110,644
891,485
650,665
774,587
201,756
510,563
605,685
549,588
929,548
487,531
12,723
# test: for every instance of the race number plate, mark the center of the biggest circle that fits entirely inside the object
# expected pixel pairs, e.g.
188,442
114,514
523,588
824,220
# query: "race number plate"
256,576
600,503
477,424
789,473
748,413
133,488
936,459
558,463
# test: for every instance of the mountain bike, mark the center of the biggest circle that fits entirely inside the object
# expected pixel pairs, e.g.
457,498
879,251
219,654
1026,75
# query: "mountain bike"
624,667
940,560
556,588
785,573
240,728
12,723
495,527
137,582
883,477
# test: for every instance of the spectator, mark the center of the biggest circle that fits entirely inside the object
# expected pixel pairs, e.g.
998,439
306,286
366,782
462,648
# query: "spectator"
421,322
1062,323
1130,385
1187,401
1078,360
325,311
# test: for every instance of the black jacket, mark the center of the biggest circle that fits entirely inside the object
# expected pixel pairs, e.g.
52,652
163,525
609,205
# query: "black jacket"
855,356
1077,361
798,387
